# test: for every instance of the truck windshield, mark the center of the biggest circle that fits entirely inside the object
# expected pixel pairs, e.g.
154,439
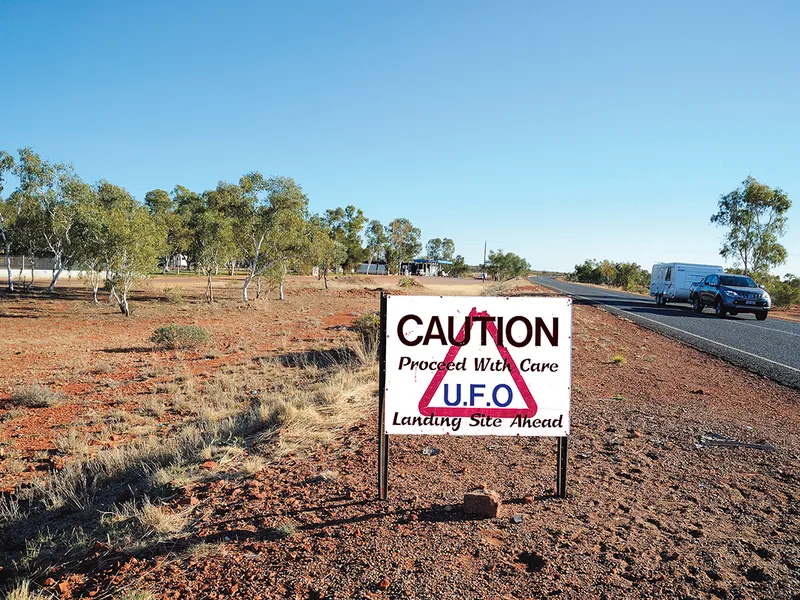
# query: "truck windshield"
736,281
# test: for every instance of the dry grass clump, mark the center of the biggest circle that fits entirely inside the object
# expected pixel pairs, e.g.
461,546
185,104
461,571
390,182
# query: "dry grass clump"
252,465
23,591
159,520
72,444
36,396
619,359
368,328
101,368
180,336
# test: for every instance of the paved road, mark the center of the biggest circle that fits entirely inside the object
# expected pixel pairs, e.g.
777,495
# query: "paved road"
770,347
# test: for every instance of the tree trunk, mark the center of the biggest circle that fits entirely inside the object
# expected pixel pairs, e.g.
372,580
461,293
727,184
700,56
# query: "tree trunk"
210,288
95,286
258,287
325,276
247,281
369,266
8,253
232,266
283,278
56,275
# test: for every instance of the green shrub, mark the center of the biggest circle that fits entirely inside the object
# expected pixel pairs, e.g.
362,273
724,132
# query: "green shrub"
407,282
36,396
180,336
173,295
784,293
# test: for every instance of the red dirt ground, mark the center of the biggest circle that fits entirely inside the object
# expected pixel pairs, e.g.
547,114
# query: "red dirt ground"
651,513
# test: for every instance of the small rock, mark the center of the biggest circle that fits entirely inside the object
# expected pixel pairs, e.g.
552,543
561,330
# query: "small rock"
482,503
64,588
430,451
194,501
384,583
209,465
49,581
636,433
528,499
517,518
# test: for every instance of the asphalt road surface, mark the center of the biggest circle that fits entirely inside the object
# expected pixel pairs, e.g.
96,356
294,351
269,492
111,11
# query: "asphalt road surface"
771,347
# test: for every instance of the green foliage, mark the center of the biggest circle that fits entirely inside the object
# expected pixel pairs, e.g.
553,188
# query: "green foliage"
402,242
754,215
376,241
459,268
502,266
180,336
784,294
345,226
629,276
406,282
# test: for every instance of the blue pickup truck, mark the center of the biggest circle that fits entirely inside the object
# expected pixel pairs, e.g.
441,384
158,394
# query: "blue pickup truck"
730,294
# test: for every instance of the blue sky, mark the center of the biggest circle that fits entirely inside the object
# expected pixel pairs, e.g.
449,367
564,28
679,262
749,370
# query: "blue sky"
559,131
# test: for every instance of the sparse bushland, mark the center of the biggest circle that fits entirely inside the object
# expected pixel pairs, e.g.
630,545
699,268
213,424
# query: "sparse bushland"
36,396
628,276
239,422
180,336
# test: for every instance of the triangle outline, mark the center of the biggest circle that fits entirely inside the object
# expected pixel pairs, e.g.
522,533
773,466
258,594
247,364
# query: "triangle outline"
461,411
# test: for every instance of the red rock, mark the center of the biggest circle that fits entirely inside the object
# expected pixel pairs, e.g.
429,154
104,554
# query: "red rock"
482,503
529,499
636,434
64,589
209,465
384,583
49,581
194,500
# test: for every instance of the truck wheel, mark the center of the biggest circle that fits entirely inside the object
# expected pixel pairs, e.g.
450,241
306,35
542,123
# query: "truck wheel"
719,308
696,306
761,315
658,299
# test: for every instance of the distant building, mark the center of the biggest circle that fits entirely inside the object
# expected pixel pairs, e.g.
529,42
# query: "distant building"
425,267
374,268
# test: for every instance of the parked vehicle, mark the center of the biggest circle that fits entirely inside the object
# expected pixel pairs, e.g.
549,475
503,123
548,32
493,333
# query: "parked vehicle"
731,294
671,282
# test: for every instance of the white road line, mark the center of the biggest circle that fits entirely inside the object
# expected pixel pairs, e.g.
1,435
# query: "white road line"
700,337
771,329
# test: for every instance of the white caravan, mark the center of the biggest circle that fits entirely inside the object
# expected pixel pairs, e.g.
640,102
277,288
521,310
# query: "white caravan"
670,282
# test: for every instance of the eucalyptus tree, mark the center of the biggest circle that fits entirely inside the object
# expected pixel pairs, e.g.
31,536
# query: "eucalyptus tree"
403,241
324,250
375,238
133,241
163,209
754,215
8,213
214,244
346,225
270,224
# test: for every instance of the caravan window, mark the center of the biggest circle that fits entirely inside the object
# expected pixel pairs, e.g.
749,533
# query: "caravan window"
669,274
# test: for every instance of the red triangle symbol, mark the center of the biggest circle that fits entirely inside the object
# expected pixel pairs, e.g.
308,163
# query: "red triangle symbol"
466,411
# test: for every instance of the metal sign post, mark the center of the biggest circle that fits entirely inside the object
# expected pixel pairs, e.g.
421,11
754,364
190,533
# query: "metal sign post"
383,437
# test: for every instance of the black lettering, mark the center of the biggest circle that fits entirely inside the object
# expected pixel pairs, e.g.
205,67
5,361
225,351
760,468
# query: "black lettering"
528,331
458,339
551,335
439,335
402,336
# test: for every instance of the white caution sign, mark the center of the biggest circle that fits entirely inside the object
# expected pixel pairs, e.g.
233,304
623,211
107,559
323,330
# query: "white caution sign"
478,365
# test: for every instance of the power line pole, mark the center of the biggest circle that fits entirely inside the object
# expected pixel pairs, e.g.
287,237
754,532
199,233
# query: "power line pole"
483,266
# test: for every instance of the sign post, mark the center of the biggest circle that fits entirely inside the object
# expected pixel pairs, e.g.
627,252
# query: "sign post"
475,366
